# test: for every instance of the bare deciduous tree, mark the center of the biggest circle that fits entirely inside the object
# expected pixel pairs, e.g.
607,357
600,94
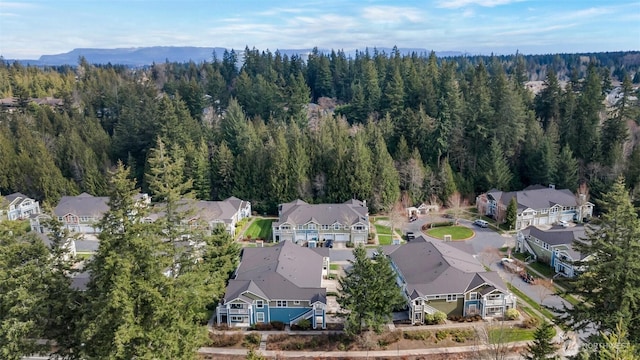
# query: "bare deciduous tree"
544,289
456,204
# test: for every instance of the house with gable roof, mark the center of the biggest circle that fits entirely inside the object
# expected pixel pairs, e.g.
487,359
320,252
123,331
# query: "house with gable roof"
537,205
302,223
554,246
277,283
18,206
81,213
435,276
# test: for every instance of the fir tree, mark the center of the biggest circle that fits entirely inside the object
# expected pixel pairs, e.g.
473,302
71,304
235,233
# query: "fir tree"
542,347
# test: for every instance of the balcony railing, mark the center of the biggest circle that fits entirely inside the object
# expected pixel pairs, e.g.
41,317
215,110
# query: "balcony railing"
498,302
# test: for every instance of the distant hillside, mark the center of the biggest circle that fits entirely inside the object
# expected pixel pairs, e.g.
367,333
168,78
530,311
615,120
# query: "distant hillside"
148,55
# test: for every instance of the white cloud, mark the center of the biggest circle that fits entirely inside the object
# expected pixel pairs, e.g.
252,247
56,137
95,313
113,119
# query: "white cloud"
392,14
16,5
455,4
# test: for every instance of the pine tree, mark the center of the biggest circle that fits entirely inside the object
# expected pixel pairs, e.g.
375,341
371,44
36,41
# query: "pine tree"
566,175
542,347
369,292
222,167
494,168
386,189
610,282
512,214
359,168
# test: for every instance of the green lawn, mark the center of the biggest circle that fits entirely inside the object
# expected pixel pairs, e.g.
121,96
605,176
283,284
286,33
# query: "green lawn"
505,335
259,229
543,269
385,239
456,232
334,267
381,229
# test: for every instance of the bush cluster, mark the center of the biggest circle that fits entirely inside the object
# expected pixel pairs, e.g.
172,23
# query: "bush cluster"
512,314
225,340
417,335
432,225
251,340
531,322
469,318
389,338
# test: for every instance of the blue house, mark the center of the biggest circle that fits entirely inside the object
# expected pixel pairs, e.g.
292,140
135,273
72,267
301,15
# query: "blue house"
277,283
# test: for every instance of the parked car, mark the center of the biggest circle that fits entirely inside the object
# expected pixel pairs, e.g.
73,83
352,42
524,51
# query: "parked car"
563,223
481,223
410,236
413,218
526,277
328,243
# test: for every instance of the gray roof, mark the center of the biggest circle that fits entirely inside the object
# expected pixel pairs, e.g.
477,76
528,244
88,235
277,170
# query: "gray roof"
82,205
87,246
535,197
558,236
11,197
299,212
282,272
207,211
432,267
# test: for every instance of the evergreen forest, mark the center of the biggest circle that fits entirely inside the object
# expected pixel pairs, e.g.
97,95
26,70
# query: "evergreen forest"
327,127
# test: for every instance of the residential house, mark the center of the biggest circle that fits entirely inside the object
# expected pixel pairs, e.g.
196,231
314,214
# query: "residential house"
422,209
18,206
553,246
210,214
226,213
537,205
277,283
435,276
309,223
81,213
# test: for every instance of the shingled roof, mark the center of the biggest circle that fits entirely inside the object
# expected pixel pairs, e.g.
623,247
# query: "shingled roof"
535,197
558,236
282,272
299,212
432,267
82,205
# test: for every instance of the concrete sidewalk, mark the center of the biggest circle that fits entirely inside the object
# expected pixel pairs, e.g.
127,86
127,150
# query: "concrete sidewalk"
365,354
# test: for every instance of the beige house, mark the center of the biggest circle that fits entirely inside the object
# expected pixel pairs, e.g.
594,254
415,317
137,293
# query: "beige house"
305,223
537,205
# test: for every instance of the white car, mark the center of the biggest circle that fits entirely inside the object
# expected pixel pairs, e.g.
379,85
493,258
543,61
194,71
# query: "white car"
481,223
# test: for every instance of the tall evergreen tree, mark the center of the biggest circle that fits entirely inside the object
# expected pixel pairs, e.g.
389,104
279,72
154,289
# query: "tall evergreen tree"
566,175
542,347
222,167
369,292
494,169
386,191
610,282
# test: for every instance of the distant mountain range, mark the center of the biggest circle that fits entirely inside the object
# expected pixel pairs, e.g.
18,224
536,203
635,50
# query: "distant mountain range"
142,56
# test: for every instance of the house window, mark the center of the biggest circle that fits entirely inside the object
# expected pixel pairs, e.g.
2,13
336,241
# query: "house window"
300,227
285,227
259,304
544,211
494,297
312,226
325,227
236,318
473,296
260,317
554,210
346,227
336,227
281,303
359,227
473,309
296,302
236,306
452,297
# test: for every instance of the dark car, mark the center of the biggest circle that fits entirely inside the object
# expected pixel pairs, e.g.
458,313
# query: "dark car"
526,277
410,236
328,244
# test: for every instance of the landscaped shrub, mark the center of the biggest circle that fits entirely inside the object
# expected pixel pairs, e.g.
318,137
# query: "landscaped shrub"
304,324
262,327
512,314
277,325
389,338
224,340
439,317
530,323
350,244
461,335
457,318
417,335
442,334
251,340
432,225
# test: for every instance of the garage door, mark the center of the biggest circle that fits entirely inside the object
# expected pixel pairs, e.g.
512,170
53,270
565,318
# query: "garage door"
543,220
327,236
342,237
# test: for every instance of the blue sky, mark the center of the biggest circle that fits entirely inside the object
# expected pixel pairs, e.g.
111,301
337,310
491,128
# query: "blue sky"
29,29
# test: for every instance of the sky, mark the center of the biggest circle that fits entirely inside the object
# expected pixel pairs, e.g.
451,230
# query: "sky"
32,28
